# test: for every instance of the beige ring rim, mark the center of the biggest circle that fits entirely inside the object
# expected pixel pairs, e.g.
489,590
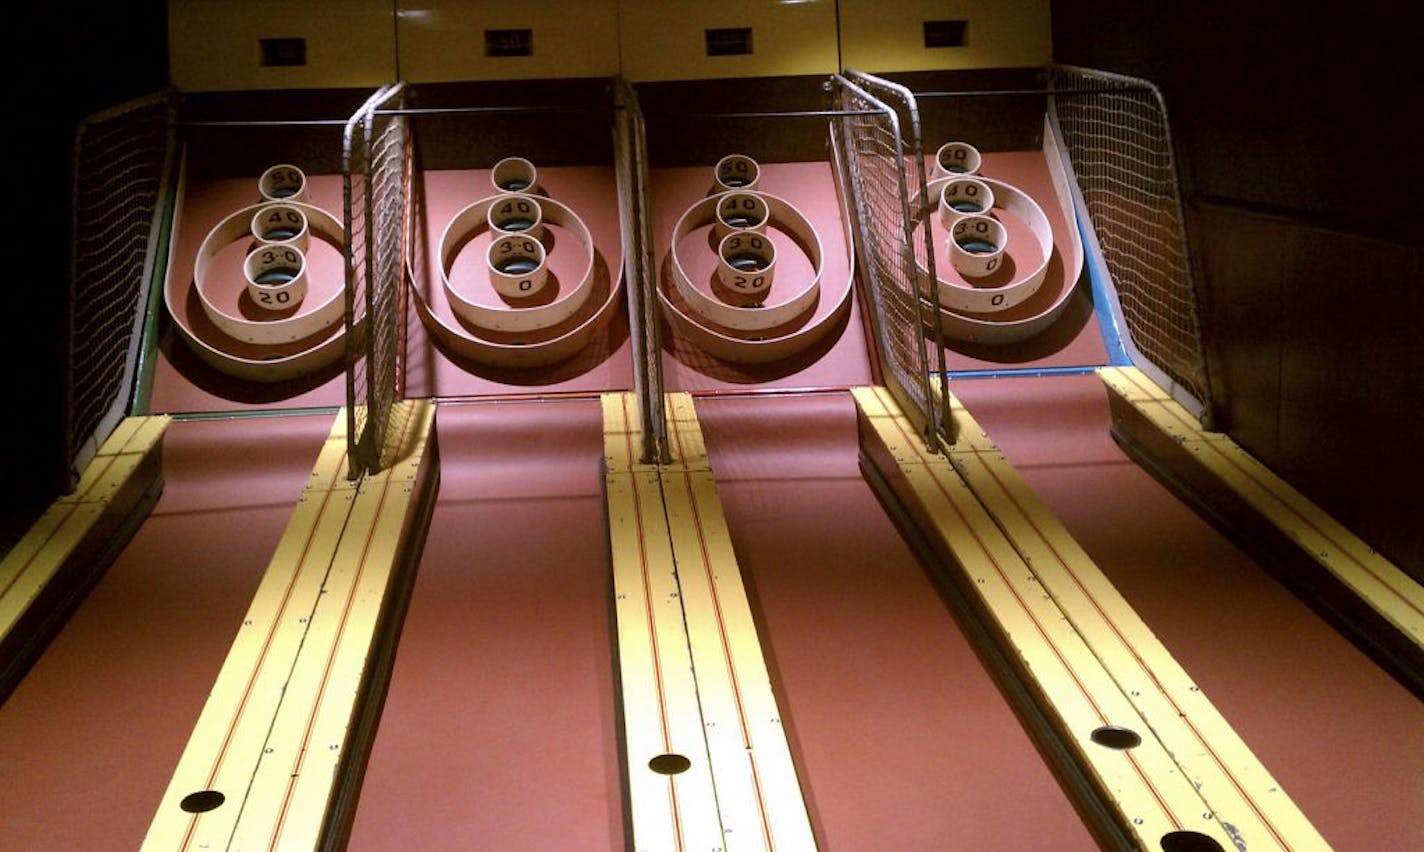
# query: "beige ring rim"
268,296
749,319
505,317
236,226
301,239
265,192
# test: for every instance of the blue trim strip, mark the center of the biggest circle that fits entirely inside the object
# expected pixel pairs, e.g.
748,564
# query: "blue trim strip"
1022,372
1102,300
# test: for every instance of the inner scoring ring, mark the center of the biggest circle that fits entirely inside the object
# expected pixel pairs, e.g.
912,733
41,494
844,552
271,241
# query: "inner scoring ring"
794,223
505,317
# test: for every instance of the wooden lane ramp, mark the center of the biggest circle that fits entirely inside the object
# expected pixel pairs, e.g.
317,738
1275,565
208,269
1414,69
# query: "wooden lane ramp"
52,567
708,765
1373,600
1149,744
276,756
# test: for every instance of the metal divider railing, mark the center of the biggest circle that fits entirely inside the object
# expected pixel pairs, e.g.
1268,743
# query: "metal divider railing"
631,162
1119,141
872,153
122,160
376,196
900,99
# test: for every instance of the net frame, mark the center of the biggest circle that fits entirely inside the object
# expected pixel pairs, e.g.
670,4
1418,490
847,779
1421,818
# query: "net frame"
1155,309
871,154
902,100
376,181
1136,222
121,169
631,164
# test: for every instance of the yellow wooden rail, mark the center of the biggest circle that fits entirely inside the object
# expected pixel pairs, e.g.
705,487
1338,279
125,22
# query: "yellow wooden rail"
1395,596
693,674
1077,646
1208,750
76,528
271,759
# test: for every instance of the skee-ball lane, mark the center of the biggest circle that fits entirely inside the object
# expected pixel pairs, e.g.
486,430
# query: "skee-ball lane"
90,737
902,738
1344,740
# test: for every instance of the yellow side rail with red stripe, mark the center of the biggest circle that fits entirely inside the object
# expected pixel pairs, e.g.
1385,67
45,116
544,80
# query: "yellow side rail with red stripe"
1269,507
280,744
58,556
708,762
1155,748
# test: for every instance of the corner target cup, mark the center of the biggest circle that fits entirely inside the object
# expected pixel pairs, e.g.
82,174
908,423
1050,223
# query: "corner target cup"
283,182
741,211
746,262
976,245
736,171
956,158
514,174
281,224
276,276
517,265
964,196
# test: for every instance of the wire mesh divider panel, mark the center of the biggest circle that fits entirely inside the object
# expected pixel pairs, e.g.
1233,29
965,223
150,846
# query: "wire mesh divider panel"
122,159
631,164
1120,146
902,100
871,151
376,195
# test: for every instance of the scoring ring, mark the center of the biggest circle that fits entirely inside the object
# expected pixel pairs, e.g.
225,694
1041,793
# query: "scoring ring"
794,223
474,218
236,226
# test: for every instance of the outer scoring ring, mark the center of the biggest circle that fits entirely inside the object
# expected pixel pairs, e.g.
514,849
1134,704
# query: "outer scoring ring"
238,225
506,318
802,232
957,297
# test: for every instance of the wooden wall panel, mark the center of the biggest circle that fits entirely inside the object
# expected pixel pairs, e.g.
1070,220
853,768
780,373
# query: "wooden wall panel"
1319,354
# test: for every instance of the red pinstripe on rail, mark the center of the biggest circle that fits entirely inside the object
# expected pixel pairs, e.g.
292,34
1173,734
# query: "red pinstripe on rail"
355,585
70,509
935,476
300,760
651,621
262,655
726,646
1136,658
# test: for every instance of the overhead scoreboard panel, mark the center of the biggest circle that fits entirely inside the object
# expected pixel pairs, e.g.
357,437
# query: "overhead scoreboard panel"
231,45
930,35
242,45
456,40
695,40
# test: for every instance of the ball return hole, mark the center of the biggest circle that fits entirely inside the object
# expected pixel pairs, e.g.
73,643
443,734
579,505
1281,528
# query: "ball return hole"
1114,737
670,764
202,801
1189,841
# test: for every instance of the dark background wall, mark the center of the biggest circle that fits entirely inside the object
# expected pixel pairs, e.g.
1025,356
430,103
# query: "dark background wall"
1297,133
77,59
1302,164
